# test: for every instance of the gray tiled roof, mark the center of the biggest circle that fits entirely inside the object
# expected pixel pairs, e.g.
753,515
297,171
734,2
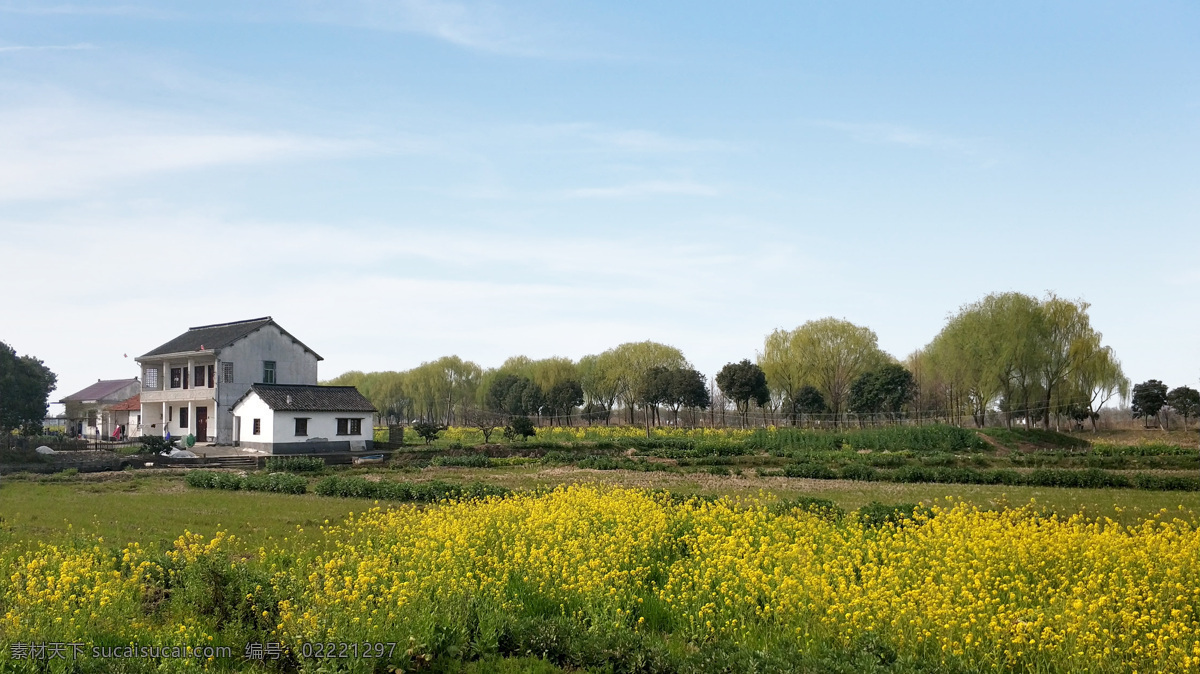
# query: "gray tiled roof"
101,390
307,398
217,336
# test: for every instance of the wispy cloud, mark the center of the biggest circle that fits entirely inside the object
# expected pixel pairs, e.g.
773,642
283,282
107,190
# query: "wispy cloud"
645,189
906,136
70,149
47,47
483,26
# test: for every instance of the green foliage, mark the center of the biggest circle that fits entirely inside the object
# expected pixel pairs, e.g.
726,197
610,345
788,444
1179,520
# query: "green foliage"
282,483
1149,397
25,386
885,390
421,492
154,444
1146,449
793,441
519,428
822,507
296,464
743,383
814,471
1185,400
876,514
428,430
857,471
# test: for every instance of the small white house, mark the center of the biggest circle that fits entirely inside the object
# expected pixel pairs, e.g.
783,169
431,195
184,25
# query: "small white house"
303,419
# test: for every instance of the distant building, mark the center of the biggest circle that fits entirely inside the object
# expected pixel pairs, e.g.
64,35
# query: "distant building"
282,419
91,412
190,384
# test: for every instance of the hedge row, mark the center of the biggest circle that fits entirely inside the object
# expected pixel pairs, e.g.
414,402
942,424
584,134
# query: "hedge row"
423,492
296,464
1091,478
790,441
282,483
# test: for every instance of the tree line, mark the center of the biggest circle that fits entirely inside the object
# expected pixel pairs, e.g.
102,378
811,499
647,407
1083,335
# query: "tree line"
1009,358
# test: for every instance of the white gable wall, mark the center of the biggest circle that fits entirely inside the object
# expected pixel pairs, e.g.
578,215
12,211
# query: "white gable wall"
251,408
293,365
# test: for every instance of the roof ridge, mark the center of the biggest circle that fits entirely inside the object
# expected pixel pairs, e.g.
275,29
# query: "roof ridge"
222,325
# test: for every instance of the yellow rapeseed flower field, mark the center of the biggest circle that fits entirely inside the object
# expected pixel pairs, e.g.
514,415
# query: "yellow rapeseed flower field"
954,587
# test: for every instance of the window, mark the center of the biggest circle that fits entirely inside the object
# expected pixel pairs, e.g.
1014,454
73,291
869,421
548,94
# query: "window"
212,376
176,377
356,427
227,373
269,372
257,426
301,426
151,377
92,418
349,426
185,377
183,420
199,376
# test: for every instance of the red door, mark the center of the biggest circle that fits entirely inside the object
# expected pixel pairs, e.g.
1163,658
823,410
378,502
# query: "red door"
201,424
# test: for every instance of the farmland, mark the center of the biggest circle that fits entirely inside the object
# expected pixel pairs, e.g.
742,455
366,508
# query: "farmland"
539,563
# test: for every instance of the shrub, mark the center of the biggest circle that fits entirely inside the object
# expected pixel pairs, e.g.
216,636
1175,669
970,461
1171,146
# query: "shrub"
814,471
428,430
876,514
519,428
1166,482
283,483
857,471
296,464
822,507
153,444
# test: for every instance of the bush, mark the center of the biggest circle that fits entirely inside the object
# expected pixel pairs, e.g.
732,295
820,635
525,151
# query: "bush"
296,464
876,514
895,438
428,430
821,507
1090,478
519,428
423,492
1166,482
814,471
283,483
857,471
153,444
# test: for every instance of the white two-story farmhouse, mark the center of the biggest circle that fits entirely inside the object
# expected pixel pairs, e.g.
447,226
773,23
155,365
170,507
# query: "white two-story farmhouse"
190,384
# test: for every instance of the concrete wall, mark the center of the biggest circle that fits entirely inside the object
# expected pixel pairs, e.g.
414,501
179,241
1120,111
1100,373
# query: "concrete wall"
250,409
278,429
293,365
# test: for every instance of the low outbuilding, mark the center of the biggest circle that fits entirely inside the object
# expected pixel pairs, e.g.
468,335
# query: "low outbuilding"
303,419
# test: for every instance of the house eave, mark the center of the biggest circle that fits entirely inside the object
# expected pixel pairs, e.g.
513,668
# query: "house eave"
158,358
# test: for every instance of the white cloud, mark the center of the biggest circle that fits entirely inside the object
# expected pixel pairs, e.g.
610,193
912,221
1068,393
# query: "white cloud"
905,136
70,149
645,189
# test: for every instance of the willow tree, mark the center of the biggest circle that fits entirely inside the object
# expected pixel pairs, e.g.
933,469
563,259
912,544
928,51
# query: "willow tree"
831,354
600,380
1099,380
633,361
1067,343
785,370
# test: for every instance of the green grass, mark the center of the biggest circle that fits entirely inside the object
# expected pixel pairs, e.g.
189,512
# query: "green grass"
158,509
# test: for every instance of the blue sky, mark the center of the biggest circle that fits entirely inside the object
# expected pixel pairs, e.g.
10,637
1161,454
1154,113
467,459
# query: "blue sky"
396,181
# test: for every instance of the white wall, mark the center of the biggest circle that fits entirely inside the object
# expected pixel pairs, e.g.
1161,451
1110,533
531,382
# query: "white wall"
280,427
251,408
293,365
